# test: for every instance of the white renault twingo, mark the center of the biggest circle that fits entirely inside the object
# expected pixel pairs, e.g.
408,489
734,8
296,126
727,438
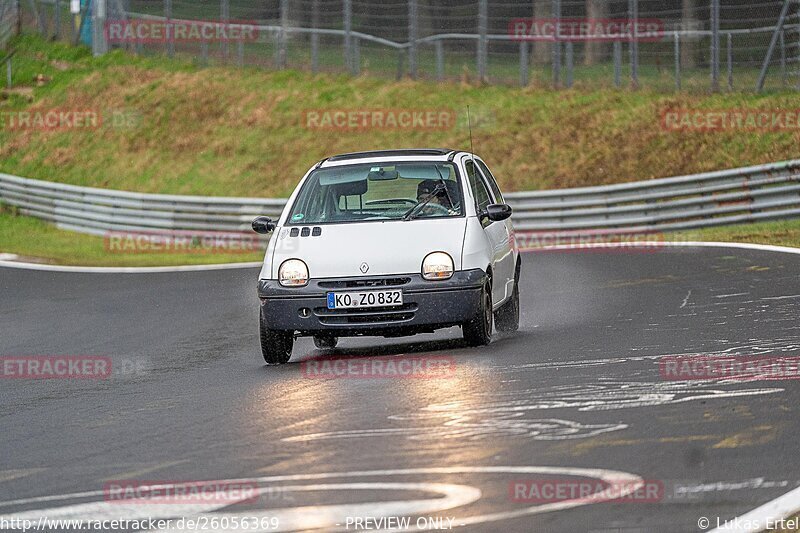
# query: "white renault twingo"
389,243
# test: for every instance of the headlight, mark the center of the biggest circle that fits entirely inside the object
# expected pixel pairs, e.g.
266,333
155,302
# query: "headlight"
293,273
437,265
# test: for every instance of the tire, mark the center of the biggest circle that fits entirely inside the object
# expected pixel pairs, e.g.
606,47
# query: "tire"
507,317
478,331
276,345
325,342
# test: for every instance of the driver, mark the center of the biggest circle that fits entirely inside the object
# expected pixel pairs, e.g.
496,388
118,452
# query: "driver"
426,188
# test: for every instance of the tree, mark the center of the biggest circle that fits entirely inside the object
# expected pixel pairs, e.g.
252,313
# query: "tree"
542,50
595,51
688,44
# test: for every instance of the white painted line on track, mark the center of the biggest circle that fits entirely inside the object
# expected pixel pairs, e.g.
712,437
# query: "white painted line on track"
331,517
686,300
454,496
656,244
4,262
127,270
758,519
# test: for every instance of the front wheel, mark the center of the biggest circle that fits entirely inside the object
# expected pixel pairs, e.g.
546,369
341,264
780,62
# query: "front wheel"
478,331
276,345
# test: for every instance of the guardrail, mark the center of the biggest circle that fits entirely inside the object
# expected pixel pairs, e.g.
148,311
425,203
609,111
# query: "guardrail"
748,194
98,211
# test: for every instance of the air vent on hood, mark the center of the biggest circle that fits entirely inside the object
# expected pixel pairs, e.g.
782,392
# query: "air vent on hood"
305,232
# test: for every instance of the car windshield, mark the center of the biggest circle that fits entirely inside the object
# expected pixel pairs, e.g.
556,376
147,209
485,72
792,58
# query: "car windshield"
382,191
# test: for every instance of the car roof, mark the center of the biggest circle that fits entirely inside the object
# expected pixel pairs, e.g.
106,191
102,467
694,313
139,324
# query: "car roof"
377,156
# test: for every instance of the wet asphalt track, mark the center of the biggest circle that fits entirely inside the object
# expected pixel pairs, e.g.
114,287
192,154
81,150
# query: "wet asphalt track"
578,386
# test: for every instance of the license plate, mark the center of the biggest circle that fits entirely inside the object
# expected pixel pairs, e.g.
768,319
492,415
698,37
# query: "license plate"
350,300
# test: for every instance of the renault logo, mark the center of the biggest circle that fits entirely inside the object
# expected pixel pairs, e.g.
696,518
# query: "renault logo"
364,267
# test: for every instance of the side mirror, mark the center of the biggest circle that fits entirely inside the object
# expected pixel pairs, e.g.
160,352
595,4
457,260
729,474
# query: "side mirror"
263,225
497,212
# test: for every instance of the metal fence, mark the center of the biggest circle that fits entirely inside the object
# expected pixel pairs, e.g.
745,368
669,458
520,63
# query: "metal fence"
700,44
9,19
763,192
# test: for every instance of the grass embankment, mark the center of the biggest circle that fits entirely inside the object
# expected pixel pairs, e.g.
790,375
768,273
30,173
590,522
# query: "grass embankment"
229,131
779,233
170,126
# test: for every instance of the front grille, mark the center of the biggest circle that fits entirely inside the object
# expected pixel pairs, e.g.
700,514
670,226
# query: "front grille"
373,315
364,283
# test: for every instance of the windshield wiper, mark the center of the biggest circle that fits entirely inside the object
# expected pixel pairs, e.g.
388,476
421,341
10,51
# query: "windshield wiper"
414,211
441,180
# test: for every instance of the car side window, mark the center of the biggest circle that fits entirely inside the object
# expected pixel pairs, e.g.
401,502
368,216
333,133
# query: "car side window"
491,181
479,190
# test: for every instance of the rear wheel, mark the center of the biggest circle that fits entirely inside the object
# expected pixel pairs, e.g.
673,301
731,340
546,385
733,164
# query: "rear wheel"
478,331
325,342
276,345
507,317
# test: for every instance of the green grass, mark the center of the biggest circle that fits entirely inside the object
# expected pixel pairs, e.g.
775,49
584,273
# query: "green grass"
780,233
36,240
239,132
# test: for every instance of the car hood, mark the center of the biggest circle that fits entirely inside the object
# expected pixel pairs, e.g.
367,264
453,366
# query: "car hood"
385,247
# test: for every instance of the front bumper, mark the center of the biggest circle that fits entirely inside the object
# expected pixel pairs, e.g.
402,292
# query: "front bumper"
427,305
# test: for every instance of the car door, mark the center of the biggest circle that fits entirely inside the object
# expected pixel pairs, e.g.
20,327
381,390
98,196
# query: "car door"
507,264
497,234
